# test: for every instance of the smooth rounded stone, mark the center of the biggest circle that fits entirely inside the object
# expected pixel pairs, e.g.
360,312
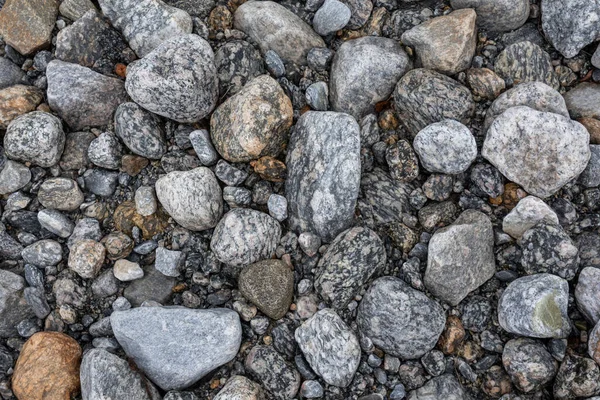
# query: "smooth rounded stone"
497,15
239,388
13,176
177,80
274,27
536,95
36,137
107,376
268,284
101,182
105,151
350,261
145,201
154,286
56,222
244,236
17,100
577,377
75,9
460,257
330,347
81,96
177,346
252,123
126,271
10,73
26,25
238,197
586,293
311,390
582,101
277,205
485,83
140,130
400,320
402,161
317,95
14,307
205,151
560,145
528,363
445,97
161,22
332,16
192,198
323,164
86,258
447,147
36,298
528,212
445,44
364,72
590,177
274,64
535,306
43,253
169,262
237,62
526,62
444,387
280,378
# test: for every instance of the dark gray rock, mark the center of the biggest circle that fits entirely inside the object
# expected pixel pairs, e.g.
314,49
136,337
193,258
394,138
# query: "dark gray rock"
228,174
527,33
360,12
281,379
444,387
154,286
590,177
274,64
528,363
583,100
140,130
586,293
105,151
10,249
56,222
332,16
384,200
104,285
10,73
86,228
319,58
269,284
495,15
14,307
237,196
13,176
577,377
402,161
75,154
237,62
101,182
526,62
317,96
43,253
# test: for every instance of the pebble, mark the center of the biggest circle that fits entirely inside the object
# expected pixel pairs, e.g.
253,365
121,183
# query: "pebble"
237,63
311,390
75,155
118,245
169,262
56,222
528,212
16,101
576,377
145,201
280,378
590,177
205,151
274,64
154,286
237,196
86,258
277,205
497,16
36,298
528,363
229,174
75,9
317,95
126,271
14,306
239,388
10,74
332,16
582,100
444,387
587,287
27,25
485,83
140,131
13,176
402,161
526,62
319,58
105,151
269,284
43,253
101,182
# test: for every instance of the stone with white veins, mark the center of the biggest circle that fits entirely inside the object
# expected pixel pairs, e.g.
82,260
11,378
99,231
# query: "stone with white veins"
497,15
540,151
177,80
140,130
13,176
332,16
43,253
444,387
528,212
330,347
526,62
177,346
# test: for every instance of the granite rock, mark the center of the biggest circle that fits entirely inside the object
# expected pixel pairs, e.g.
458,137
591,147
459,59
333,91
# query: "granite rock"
205,151
27,25
526,62
43,253
154,286
269,284
588,285
529,212
497,15
237,62
140,130
10,73
402,161
385,200
281,379
528,363
577,377
17,100
13,176
86,258
484,83
14,308
583,100
444,387
590,177
240,388
105,151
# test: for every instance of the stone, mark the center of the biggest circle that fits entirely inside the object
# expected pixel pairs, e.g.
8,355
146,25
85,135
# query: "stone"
560,145
126,218
385,199
319,58
56,222
161,22
364,72
177,92
582,100
269,284
101,182
402,161
140,130
240,388
145,201
229,174
596,58
154,286
274,27
14,306
577,377
27,25
444,387
400,320
460,257
10,249
497,16
169,262
13,176
177,346
590,177
36,298
43,253
75,155
17,100
81,96
237,196
36,137
445,44
317,95
203,147
323,163
526,62
126,271
195,8
330,347
10,73
446,99
447,147
244,236
252,123
586,291
105,151
484,83
528,363
332,16
535,306
277,205
529,212
75,9
277,376
311,390
274,64
192,198
237,63
86,258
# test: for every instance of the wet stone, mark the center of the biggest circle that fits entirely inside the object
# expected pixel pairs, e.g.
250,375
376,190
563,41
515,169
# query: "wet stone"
526,62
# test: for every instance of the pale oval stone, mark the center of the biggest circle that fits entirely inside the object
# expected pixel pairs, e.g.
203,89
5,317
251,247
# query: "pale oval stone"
527,213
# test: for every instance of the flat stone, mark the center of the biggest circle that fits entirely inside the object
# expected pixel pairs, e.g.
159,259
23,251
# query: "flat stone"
528,363
526,62
126,271
10,73
13,176
56,222
588,284
17,100
529,212
332,16
444,387
43,253
154,286
140,130
240,388
384,200
582,100
86,258
281,379
14,307
497,15
237,63
27,25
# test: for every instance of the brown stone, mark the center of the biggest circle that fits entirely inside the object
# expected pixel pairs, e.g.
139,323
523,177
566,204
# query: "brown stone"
452,336
512,195
47,368
220,19
270,169
118,245
27,24
126,217
18,100
388,121
402,236
470,351
496,382
485,83
133,165
593,127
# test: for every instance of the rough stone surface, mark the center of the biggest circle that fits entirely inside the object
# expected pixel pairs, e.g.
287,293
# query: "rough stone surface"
444,387
13,176
528,363
526,62
497,15
43,253
577,377
385,200
583,100
125,270
240,388
140,130
237,62
529,212
586,293
86,258
154,286
10,73
13,306
269,284
277,376
17,100
590,177
485,83
27,25
75,9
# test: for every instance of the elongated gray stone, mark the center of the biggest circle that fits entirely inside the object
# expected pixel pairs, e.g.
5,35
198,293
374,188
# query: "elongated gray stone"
140,130
13,306
497,15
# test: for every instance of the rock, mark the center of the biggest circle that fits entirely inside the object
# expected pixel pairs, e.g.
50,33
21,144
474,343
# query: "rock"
528,363
330,347
497,16
75,155
161,22
27,25
385,200
75,9
317,96
196,9
417,320
590,177
163,82
586,291
447,147
43,253
17,100
446,99
169,262
126,218
86,258
47,367
277,205
561,147
277,376
364,72
106,376
323,173
402,161
526,62
229,174
10,73
252,123
444,387
570,26
319,58
460,257
268,284
105,151
14,307
145,201
101,182
154,286
13,176
56,222
528,212
177,346
582,100
535,306
244,236
126,271
81,96
332,16
349,262
274,27
577,377
10,249
36,137
240,388
237,62
140,131
485,83
445,44
192,198
203,147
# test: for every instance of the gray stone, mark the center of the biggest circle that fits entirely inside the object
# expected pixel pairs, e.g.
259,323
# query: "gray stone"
175,395
577,377
560,145
75,9
595,58
196,8
319,58
527,213
277,205
364,72
86,258
586,293
444,387
160,22
526,62
528,363
164,83
140,130
205,151
535,306
349,262
104,285
309,243
101,182
400,320
384,200
238,197
177,346
13,306
497,15
237,62
126,271
154,286
460,257
13,176
239,388
105,151
76,147
527,33
311,390
10,249
332,16
274,27
81,96
43,253
86,228
145,201
229,174
274,64
10,73
277,376
244,236
323,164
317,95
169,262
583,100
36,298
56,222
590,177
192,198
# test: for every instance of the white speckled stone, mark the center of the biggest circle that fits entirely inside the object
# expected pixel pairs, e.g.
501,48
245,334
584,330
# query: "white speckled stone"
527,213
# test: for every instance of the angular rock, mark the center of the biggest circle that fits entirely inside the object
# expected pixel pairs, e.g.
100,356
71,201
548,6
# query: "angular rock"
497,15
43,253
237,62
101,182
583,100
240,388
268,284
577,377
13,176
27,25
277,376
528,363
14,308
332,16
105,151
75,9
56,222
125,270
17,100
10,73
529,212
384,200
526,62
140,130
586,293
444,387
485,83
75,154
154,286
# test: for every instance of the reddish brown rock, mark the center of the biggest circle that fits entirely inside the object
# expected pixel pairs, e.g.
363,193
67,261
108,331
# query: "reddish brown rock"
126,217
270,169
133,164
453,335
18,100
27,25
593,127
